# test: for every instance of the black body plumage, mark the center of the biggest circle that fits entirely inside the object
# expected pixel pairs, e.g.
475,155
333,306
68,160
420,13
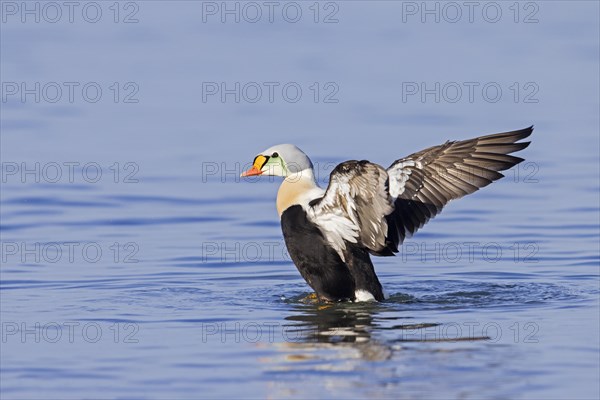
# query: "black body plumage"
320,265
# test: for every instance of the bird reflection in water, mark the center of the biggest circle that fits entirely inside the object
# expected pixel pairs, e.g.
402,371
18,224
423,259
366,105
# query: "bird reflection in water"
314,330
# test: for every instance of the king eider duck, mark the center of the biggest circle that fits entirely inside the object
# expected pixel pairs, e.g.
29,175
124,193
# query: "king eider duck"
369,210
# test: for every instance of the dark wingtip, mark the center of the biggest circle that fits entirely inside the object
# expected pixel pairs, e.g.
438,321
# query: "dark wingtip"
506,137
521,133
526,133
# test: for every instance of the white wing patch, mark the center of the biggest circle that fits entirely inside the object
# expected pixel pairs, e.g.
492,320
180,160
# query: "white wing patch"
338,230
399,174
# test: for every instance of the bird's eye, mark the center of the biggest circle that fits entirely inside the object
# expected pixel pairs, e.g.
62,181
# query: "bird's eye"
275,155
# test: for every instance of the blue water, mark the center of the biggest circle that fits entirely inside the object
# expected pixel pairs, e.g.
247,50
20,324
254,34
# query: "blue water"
136,264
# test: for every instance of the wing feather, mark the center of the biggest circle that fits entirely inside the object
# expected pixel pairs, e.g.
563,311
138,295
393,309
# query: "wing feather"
424,182
377,209
354,207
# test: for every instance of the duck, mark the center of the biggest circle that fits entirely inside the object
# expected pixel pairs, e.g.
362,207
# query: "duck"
368,210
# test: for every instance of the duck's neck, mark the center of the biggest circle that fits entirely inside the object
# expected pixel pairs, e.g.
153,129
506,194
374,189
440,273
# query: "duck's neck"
298,189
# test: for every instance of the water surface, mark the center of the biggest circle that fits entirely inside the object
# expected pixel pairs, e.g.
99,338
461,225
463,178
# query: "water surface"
166,276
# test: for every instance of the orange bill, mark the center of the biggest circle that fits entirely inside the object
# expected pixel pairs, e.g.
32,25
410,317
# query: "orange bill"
259,161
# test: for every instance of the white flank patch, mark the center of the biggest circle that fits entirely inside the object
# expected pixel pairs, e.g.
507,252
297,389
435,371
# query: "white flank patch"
363,295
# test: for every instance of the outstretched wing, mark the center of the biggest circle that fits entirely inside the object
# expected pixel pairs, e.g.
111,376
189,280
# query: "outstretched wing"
354,207
422,183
